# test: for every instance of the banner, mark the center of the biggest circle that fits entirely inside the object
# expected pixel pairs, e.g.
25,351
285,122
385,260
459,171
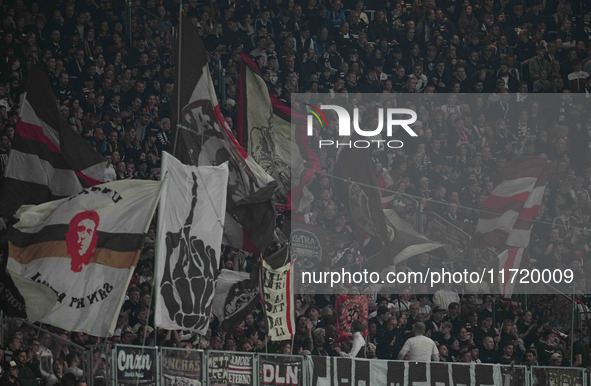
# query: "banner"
135,365
277,297
230,369
334,371
556,376
280,370
350,308
181,367
48,160
72,259
190,226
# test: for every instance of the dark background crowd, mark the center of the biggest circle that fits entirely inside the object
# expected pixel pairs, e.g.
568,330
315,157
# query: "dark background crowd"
112,70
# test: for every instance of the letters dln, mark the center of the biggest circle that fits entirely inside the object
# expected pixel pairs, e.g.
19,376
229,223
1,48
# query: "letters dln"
394,117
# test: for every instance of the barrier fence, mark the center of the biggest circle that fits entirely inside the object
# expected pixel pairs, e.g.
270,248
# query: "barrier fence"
136,365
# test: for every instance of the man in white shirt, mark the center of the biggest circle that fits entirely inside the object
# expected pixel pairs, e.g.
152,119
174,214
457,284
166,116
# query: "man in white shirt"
445,296
357,328
419,348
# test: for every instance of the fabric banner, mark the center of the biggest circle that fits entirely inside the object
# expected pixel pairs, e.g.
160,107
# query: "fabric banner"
72,259
556,376
280,370
181,367
274,135
506,217
48,160
227,369
237,293
348,309
334,371
135,365
203,139
277,293
190,226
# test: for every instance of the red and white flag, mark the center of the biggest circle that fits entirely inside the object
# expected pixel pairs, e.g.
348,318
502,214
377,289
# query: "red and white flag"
509,259
506,219
48,160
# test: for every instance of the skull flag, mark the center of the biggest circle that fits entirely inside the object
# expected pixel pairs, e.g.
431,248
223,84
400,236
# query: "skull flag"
190,226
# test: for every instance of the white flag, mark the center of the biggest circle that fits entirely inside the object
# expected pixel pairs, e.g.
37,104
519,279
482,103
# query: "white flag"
190,228
72,259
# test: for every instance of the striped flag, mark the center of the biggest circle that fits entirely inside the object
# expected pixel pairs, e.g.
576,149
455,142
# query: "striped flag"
506,218
275,136
48,160
203,139
72,259
509,259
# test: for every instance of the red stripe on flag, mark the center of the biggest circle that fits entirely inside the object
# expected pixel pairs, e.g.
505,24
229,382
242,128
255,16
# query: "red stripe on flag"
494,201
35,133
247,244
288,293
89,180
220,118
509,263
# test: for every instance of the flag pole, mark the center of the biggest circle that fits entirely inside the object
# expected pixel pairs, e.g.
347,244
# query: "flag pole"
572,329
178,77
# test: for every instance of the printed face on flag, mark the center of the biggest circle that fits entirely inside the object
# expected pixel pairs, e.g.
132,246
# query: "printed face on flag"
82,238
72,259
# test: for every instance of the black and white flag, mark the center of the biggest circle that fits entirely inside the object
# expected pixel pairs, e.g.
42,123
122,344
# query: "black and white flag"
237,293
190,226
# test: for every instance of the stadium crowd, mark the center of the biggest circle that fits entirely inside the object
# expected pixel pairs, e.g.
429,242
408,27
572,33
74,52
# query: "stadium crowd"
113,80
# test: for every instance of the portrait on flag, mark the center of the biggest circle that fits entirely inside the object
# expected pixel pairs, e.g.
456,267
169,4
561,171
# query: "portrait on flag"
72,259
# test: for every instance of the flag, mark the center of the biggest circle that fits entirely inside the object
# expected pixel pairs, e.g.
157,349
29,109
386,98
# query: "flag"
386,186
349,308
237,294
48,160
274,135
358,185
72,259
314,247
277,294
190,227
509,259
407,242
203,139
506,217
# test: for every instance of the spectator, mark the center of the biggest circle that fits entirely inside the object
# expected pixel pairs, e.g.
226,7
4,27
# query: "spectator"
419,348
357,328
